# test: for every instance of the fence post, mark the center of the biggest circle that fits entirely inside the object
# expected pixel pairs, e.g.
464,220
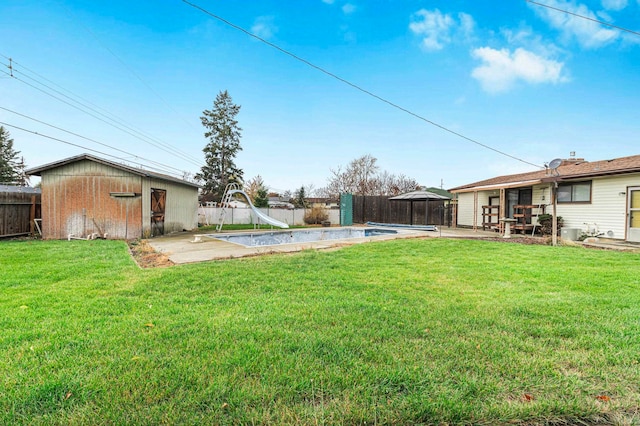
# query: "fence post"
32,215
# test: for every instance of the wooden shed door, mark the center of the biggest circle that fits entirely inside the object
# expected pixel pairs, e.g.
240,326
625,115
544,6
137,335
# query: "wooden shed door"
158,203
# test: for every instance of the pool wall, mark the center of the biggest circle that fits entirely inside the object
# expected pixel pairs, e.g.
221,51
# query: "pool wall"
271,238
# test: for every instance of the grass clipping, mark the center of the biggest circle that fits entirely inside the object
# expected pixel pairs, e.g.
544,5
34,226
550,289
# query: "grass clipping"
146,257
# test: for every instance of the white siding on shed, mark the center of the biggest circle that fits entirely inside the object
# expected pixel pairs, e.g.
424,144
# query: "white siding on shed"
181,209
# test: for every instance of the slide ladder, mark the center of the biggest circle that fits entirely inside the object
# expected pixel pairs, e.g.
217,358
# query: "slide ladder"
230,190
227,196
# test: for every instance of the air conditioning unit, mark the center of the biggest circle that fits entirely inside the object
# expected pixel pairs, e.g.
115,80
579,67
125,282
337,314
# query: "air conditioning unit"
570,234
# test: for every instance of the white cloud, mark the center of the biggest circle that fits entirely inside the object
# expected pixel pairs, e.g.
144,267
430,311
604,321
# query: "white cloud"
614,4
501,69
588,33
348,8
264,27
328,1
437,29
467,24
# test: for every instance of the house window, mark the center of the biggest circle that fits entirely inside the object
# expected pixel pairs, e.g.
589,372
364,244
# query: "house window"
579,192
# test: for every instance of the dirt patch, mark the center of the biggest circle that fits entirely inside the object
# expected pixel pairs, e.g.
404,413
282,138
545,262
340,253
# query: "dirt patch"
146,257
522,240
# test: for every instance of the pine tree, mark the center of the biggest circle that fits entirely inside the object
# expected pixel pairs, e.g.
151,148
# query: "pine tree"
262,198
9,164
300,200
224,135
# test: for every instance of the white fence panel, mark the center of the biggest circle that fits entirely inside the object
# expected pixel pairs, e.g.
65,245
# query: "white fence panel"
211,216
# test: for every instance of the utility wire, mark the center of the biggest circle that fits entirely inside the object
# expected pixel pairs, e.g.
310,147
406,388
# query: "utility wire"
80,146
91,140
136,75
355,86
98,118
583,17
105,113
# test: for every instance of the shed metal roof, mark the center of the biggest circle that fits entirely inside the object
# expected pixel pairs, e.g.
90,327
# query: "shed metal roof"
37,171
419,196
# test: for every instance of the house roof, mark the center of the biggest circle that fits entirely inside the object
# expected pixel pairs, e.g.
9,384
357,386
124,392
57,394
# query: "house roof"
570,169
37,171
419,196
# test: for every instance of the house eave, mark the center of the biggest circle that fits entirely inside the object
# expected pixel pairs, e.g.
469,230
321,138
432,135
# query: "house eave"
589,175
505,185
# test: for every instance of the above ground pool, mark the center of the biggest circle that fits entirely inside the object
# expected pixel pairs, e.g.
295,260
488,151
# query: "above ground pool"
254,239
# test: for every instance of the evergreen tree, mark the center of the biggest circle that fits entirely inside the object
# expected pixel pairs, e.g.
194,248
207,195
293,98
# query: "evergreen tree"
300,198
9,164
262,198
224,135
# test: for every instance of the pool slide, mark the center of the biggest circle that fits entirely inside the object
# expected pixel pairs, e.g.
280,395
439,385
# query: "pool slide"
262,216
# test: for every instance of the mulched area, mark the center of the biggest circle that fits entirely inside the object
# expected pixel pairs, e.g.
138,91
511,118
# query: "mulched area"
146,257
521,240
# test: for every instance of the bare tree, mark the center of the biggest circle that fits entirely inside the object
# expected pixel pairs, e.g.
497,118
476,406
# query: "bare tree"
253,185
406,184
362,176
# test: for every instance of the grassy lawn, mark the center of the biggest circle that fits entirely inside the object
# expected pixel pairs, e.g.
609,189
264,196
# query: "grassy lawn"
409,332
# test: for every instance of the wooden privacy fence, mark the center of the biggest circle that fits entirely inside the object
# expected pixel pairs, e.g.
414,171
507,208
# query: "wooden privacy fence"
405,212
17,212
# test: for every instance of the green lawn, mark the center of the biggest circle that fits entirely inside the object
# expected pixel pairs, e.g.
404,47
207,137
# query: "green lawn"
429,331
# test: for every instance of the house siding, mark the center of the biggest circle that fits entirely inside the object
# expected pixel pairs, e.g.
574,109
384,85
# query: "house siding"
466,207
607,210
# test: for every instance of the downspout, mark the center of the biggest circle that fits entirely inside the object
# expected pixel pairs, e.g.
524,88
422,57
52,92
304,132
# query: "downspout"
475,210
503,209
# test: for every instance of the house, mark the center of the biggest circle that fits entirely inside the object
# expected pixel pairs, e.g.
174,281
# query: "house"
593,197
86,196
324,202
278,202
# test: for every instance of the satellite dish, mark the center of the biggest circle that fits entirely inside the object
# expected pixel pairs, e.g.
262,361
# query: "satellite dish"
554,164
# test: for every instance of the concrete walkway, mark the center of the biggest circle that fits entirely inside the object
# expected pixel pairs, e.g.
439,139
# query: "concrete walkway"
188,247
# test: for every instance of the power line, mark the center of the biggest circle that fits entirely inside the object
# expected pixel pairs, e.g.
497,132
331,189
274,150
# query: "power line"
83,147
90,140
136,75
355,86
113,122
105,113
583,17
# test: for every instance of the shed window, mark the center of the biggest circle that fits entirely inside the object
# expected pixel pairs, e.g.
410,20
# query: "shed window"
579,192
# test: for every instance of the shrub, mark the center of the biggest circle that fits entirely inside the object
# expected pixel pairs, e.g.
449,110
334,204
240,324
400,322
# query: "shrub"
315,216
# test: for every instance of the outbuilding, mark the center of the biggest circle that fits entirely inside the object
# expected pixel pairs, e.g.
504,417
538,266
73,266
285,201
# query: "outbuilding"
86,196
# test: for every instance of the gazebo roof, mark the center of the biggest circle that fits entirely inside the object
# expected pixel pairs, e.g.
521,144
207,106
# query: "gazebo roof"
420,196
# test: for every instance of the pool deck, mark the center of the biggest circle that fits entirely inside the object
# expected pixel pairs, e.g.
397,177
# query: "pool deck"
189,247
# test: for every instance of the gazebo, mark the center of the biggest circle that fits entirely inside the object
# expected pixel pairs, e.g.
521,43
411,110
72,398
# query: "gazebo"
425,204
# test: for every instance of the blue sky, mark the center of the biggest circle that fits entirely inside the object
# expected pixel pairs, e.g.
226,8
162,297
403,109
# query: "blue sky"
522,79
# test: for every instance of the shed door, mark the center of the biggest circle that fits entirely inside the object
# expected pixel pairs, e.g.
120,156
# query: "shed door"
633,233
158,203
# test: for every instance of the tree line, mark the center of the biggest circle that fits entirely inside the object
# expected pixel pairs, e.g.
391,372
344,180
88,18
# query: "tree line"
362,176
